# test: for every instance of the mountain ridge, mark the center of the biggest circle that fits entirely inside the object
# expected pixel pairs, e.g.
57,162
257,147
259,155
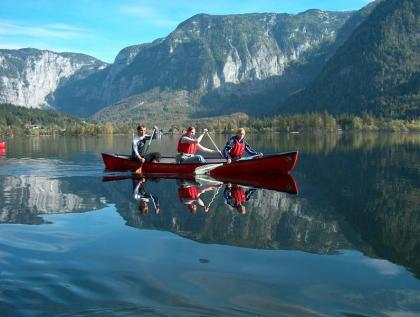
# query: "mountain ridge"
376,70
211,66
29,76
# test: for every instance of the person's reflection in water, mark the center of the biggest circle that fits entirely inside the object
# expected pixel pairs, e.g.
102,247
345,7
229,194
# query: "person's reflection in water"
235,196
189,194
140,194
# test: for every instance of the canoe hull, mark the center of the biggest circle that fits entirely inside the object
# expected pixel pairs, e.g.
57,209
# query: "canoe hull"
271,164
121,163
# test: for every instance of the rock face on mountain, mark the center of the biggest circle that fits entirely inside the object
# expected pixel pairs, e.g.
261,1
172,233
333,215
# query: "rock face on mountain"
29,76
250,63
207,63
376,70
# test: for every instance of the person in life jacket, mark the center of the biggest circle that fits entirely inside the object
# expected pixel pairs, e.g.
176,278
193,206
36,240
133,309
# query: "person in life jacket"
138,146
188,145
189,195
236,146
236,195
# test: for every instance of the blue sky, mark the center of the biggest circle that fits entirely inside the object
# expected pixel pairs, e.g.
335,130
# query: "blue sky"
102,28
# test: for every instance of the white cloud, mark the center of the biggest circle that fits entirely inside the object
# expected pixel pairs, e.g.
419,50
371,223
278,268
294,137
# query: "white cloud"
58,30
141,11
148,14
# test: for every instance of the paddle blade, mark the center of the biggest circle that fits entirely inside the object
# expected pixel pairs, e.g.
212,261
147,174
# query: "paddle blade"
201,170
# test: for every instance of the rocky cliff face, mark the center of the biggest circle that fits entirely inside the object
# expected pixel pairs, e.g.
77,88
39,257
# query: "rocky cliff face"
29,76
208,66
224,55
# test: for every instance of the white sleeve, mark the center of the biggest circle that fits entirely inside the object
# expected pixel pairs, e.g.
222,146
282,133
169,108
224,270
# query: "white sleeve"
134,145
185,139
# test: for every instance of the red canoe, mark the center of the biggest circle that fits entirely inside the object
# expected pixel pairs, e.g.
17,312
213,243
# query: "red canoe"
270,164
2,145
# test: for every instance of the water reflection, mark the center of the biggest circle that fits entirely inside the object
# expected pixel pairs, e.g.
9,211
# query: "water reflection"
212,211
143,197
356,217
235,195
358,191
189,194
24,198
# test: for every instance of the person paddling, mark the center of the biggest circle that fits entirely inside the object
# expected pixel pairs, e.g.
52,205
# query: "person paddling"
188,145
138,146
236,146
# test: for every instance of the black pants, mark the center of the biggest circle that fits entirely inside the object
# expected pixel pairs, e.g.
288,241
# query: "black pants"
154,156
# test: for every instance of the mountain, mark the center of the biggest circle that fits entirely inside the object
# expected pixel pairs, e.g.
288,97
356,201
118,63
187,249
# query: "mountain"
28,76
209,65
376,70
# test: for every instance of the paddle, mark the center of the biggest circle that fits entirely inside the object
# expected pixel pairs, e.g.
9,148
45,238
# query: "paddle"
250,157
150,140
201,170
214,143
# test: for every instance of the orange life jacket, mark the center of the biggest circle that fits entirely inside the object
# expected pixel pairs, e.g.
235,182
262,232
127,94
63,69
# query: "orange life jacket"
238,149
238,194
187,148
188,192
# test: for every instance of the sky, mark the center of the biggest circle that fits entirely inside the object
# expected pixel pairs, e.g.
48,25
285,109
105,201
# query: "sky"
101,28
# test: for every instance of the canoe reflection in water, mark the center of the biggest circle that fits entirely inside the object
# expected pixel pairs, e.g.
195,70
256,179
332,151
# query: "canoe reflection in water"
191,190
143,197
189,194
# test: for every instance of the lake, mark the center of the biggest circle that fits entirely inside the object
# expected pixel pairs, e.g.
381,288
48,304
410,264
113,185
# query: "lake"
78,241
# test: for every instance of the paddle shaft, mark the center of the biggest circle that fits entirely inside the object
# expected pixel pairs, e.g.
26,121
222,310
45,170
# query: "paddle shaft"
150,141
215,145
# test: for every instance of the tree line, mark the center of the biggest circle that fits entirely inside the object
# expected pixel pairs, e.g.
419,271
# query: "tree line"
23,121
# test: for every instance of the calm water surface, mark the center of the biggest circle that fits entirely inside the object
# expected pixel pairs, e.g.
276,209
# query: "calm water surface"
76,241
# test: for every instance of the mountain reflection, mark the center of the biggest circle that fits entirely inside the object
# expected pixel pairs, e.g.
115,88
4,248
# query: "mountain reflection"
211,211
377,193
356,192
24,198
